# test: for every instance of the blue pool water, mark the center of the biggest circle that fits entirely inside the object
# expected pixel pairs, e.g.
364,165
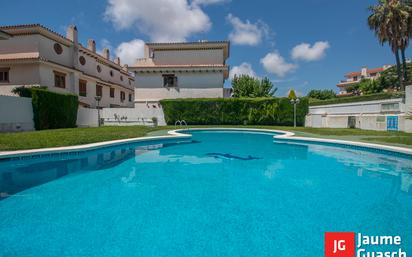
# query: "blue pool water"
219,193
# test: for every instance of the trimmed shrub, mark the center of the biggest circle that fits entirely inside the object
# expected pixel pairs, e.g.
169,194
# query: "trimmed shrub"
24,91
352,99
52,110
234,111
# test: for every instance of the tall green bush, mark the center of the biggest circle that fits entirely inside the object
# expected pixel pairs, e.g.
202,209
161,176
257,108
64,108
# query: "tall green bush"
52,110
234,111
362,98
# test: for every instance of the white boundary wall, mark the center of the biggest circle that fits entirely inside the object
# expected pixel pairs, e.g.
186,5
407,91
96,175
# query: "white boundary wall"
16,114
141,114
87,117
368,115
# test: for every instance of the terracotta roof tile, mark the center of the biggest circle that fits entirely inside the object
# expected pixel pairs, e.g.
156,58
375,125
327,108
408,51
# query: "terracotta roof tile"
19,56
180,66
375,70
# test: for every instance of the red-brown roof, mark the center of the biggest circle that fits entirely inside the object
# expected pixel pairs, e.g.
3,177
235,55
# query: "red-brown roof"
358,73
179,66
353,74
375,70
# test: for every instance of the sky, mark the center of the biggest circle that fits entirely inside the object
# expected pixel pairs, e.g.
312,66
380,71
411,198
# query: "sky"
299,44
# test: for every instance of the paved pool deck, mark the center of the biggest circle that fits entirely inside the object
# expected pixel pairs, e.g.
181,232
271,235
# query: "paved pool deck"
358,138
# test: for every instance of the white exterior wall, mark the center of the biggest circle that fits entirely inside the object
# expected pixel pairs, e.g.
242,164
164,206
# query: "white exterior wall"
368,107
141,114
87,117
22,74
40,73
16,114
20,44
190,85
179,57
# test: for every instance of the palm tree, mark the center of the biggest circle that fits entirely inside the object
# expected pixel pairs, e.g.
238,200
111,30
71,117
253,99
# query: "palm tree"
389,20
407,6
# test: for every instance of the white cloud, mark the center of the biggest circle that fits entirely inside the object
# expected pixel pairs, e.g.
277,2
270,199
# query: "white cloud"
306,52
276,64
243,69
130,51
209,2
161,20
246,33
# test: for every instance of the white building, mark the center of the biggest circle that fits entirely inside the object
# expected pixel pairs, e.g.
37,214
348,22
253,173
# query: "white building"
33,55
181,70
356,76
388,114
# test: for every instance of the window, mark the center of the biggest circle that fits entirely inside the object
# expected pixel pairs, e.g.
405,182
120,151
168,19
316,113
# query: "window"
390,107
82,87
82,60
111,73
121,78
99,90
112,92
58,48
99,69
122,96
169,80
130,97
130,82
4,75
380,119
59,79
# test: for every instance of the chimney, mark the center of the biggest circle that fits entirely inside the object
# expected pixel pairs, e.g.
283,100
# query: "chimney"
106,53
126,68
91,45
364,71
117,60
71,34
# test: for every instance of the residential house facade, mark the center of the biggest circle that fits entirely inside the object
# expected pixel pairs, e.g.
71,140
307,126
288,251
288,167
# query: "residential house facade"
356,76
33,55
181,70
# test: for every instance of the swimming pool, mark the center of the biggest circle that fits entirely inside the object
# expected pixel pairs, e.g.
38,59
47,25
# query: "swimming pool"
219,193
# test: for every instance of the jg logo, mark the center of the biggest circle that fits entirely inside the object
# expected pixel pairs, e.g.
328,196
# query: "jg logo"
339,244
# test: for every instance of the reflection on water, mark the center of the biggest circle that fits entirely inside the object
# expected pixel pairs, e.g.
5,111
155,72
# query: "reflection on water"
19,175
371,164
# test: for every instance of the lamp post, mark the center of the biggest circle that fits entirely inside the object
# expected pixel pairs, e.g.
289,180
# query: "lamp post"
294,101
98,98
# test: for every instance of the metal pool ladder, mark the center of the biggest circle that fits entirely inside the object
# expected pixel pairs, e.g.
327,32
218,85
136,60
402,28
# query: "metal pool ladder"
180,123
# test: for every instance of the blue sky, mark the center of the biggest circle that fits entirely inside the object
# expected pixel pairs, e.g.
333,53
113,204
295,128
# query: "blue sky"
300,44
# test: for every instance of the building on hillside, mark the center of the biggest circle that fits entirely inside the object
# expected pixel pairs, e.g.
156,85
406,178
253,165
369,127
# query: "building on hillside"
33,55
356,76
181,70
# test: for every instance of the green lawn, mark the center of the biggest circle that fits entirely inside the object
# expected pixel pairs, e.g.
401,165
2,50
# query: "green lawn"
77,136
66,137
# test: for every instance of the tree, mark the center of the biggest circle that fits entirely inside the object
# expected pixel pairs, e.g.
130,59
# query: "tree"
389,77
404,43
322,94
390,21
368,86
248,86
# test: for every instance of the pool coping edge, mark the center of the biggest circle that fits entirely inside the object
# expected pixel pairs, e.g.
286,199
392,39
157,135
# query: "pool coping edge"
179,133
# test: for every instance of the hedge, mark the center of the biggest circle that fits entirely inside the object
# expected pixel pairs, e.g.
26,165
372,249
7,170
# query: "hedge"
362,98
52,110
234,111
